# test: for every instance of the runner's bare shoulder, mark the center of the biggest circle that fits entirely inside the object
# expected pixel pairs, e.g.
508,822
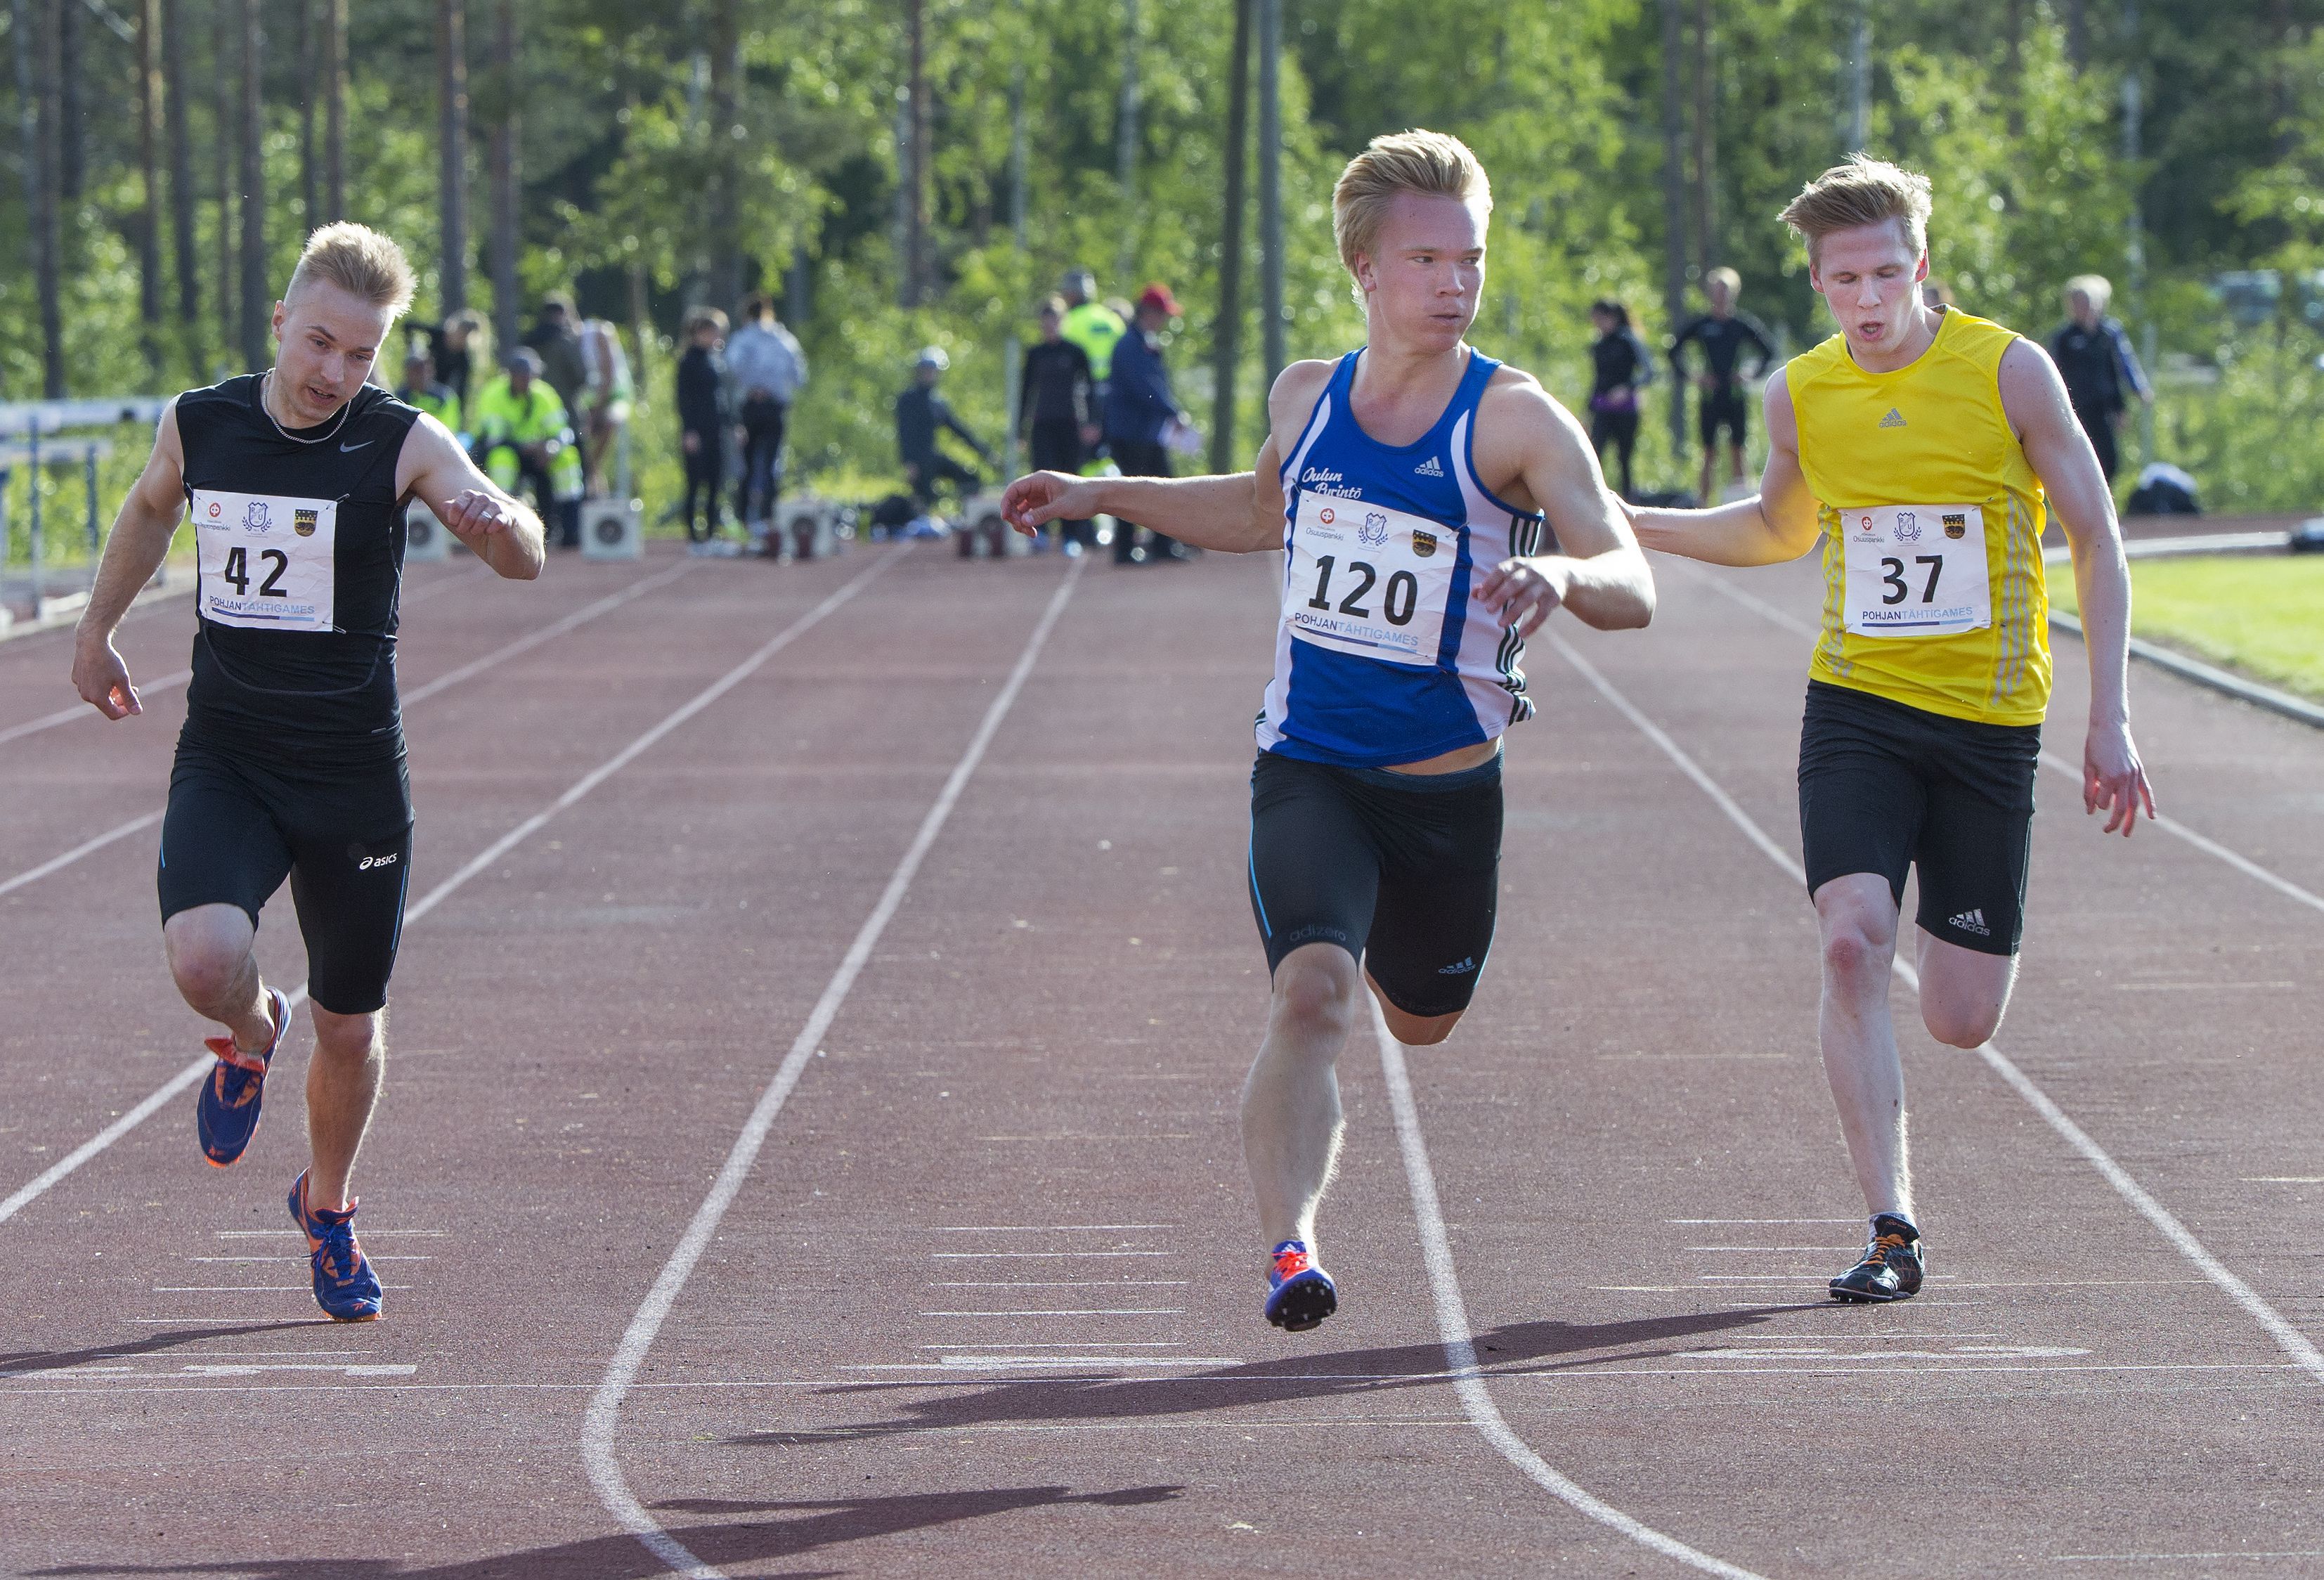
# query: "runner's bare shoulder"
1293,399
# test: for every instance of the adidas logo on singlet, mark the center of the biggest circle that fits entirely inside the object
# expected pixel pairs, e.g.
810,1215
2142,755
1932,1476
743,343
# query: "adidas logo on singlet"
1428,468
1971,921
1895,419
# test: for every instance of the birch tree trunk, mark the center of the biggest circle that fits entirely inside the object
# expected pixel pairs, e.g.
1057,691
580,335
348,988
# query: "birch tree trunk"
1227,339
256,297
506,175
452,140
149,163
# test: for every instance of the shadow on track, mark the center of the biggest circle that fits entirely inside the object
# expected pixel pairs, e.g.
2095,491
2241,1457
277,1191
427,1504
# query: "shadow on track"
824,1525
31,1362
1520,1349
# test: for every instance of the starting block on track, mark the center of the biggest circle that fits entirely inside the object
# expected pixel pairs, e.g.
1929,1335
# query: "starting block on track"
808,527
984,530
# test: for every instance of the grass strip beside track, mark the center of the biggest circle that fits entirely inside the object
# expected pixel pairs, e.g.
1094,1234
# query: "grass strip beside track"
2261,614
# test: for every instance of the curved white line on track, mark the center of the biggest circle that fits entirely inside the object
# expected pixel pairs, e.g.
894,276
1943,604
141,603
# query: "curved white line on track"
469,671
2294,1344
1467,1377
177,677
193,1073
2167,824
598,1451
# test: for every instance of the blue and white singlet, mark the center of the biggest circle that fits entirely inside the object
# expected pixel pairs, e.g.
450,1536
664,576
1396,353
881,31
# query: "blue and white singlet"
1381,656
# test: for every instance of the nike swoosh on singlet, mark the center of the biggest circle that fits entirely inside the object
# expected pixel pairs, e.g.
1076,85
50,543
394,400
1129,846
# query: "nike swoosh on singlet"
345,447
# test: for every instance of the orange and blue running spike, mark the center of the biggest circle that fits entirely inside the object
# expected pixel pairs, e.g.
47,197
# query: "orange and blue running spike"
1299,1294
344,1286
226,1116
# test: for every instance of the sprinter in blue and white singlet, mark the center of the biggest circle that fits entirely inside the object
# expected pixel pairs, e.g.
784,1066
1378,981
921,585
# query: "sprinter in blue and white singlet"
1413,486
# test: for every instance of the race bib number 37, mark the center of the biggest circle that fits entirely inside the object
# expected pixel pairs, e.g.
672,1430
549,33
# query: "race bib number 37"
266,560
1368,580
1915,569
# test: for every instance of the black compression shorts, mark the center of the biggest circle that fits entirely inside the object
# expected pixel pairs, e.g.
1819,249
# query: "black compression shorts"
1883,787
1400,869
1723,406
236,829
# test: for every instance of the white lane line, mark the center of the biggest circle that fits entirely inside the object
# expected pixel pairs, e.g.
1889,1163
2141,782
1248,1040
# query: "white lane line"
193,1073
177,677
598,1452
1031,1255
2169,825
521,644
2294,1344
2176,1558
1052,1283
1082,1311
1459,1346
87,847
1050,1228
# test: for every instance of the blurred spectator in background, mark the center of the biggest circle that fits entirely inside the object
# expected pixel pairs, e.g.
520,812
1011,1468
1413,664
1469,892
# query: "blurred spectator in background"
920,415
1726,336
1056,410
420,388
768,370
553,335
523,435
605,396
1620,368
703,417
2101,371
1142,418
1092,325
460,346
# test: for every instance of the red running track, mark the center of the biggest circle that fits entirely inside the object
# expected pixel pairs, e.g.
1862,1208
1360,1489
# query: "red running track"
984,1296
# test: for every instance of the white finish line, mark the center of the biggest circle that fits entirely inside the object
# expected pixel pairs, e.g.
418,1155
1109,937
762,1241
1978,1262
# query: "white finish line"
598,1452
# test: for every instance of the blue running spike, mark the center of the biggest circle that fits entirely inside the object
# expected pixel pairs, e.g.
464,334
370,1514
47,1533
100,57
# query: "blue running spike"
227,1115
344,1286
1299,1294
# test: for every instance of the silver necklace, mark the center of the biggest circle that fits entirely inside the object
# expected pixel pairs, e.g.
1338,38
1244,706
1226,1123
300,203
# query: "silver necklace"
285,432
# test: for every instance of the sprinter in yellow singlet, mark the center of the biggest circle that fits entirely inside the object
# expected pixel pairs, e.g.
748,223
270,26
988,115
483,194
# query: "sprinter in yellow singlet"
1924,447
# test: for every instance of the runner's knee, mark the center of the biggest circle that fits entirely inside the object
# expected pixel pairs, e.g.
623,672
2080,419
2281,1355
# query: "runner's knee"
1858,939
1419,1031
208,948
1315,990
347,1037
1960,1025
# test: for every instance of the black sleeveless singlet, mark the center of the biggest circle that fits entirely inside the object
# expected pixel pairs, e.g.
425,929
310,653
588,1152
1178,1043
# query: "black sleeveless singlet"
326,697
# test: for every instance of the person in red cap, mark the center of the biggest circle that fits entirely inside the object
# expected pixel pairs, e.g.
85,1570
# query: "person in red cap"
1140,412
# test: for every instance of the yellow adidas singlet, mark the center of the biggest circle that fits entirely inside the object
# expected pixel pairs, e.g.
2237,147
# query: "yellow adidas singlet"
1933,592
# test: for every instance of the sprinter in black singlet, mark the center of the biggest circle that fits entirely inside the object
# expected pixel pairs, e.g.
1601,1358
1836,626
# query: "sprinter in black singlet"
290,763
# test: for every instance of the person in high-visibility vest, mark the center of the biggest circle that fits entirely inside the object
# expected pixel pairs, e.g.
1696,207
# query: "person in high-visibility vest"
1091,325
523,433
421,389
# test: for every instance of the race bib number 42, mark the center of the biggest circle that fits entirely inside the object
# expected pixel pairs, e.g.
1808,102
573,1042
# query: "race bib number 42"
266,560
1915,569
1368,580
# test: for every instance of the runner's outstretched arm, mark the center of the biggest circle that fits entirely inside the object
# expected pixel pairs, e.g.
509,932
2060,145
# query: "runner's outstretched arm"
2034,398
134,551
502,530
1775,524
1598,571
1239,513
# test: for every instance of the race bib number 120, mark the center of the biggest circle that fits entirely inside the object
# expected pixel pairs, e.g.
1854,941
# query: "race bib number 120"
266,560
1368,580
1915,569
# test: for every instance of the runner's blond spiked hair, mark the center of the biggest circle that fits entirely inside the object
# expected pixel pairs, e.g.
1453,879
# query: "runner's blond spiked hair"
1863,191
359,261
1431,163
